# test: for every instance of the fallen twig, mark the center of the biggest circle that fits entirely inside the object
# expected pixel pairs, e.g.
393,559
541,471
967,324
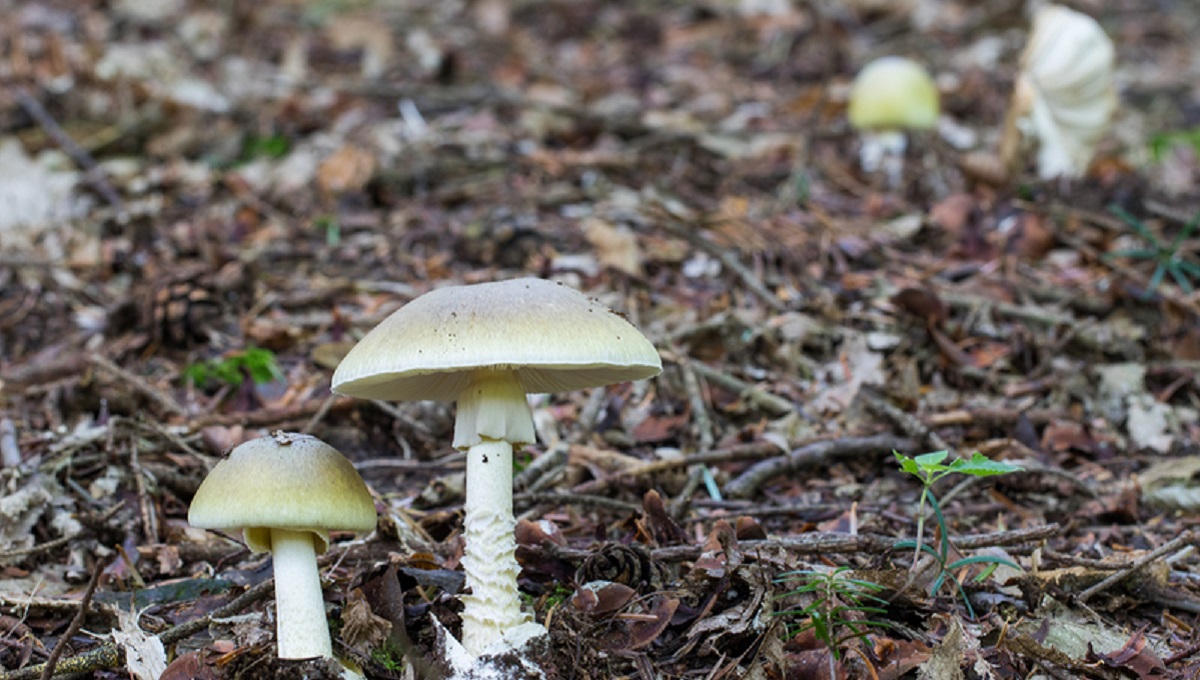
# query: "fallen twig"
319,415
553,498
754,451
10,452
166,401
820,542
68,145
75,625
39,548
1184,539
776,406
271,417
818,452
690,234
908,423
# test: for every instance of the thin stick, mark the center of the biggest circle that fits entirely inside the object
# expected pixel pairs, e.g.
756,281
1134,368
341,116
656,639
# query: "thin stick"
755,451
137,383
908,424
554,498
319,415
145,503
10,451
811,454
755,395
77,153
821,543
39,548
704,435
76,624
730,262
1187,537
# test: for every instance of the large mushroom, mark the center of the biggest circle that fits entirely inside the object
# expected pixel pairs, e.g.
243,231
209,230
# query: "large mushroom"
486,346
286,493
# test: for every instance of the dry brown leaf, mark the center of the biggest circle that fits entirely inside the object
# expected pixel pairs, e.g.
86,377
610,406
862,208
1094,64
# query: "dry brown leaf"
369,34
347,170
361,627
616,245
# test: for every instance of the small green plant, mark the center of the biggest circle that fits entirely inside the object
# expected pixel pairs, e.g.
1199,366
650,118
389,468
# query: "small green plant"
1167,258
269,146
257,363
929,468
841,609
389,656
1162,143
556,597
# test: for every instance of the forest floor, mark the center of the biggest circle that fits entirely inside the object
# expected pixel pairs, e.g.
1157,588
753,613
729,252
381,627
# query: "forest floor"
204,205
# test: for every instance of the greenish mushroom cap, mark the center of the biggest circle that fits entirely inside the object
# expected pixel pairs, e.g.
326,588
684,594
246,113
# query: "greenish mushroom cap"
893,93
284,481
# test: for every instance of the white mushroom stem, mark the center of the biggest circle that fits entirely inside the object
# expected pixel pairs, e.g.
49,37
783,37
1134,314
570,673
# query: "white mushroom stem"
492,411
493,405
490,562
884,149
302,630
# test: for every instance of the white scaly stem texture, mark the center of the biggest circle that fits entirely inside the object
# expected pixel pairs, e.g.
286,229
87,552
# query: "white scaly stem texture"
490,562
302,630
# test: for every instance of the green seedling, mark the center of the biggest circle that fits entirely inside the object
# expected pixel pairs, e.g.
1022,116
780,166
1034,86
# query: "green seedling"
841,609
270,146
1162,143
253,362
556,597
389,656
1167,258
929,468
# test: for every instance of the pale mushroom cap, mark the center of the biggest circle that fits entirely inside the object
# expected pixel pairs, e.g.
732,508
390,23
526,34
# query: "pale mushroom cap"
285,481
553,337
893,93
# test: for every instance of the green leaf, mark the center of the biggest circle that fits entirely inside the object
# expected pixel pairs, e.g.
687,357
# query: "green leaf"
259,363
979,465
273,146
931,461
198,374
902,545
907,464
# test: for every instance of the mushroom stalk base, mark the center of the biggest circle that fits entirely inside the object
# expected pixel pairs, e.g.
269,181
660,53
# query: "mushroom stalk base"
884,150
490,562
301,628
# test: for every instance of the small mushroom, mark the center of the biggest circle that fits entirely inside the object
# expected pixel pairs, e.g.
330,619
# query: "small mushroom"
286,492
486,346
889,96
